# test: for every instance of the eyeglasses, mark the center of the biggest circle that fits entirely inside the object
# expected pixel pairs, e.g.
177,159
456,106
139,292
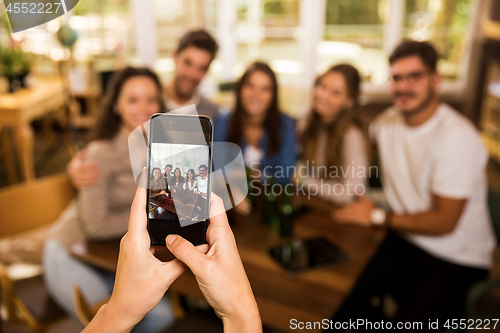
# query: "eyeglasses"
411,77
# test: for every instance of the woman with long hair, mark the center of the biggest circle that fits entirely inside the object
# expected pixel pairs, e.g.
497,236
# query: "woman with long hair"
333,145
101,211
157,185
176,179
265,135
191,183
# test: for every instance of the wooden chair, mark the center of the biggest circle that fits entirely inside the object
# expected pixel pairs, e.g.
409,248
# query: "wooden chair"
8,156
84,311
24,207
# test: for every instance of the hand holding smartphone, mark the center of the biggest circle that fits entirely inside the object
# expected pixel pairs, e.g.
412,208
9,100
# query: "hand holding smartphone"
142,279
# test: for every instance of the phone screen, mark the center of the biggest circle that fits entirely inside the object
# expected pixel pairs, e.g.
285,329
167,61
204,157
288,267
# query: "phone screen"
179,177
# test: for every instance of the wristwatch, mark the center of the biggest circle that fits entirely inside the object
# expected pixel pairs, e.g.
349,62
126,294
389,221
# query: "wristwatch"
378,217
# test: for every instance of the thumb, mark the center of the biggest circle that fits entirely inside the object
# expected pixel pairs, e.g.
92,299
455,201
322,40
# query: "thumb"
186,252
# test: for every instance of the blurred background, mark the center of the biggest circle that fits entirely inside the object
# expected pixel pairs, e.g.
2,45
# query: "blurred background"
53,76
299,39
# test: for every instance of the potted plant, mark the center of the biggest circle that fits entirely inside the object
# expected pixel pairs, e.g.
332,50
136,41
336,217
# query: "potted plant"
14,65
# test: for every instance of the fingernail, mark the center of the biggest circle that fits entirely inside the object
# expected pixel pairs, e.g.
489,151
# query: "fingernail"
170,239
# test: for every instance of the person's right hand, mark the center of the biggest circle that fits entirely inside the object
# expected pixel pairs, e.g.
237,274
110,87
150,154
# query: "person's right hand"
220,273
83,174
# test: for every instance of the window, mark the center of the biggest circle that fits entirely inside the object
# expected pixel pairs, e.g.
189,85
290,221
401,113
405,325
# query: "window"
267,30
354,33
445,23
104,30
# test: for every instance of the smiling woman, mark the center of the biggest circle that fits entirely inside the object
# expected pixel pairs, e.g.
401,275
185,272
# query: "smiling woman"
102,209
135,96
266,136
332,137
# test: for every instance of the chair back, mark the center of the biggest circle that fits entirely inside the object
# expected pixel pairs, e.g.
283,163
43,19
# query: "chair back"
34,203
82,308
84,311
24,207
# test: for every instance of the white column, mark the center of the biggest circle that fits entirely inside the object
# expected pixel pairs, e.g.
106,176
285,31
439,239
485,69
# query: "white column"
312,25
226,32
146,41
393,28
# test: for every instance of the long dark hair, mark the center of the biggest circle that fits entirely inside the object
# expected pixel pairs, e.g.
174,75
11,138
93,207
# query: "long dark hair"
272,120
152,176
187,176
109,122
180,174
337,129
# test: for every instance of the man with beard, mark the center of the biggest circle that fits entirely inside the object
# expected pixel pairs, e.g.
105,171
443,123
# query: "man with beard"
192,59
440,239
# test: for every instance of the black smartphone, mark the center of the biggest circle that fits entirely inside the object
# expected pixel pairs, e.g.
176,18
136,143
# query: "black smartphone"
179,168
301,255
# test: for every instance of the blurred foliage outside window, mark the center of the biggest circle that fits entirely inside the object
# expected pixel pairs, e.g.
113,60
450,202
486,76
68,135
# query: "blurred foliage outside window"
266,30
444,23
104,29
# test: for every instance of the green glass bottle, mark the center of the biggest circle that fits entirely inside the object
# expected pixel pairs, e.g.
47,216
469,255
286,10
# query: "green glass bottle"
271,211
286,215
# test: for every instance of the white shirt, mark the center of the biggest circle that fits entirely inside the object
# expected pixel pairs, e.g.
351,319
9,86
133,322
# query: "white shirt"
446,157
202,184
252,155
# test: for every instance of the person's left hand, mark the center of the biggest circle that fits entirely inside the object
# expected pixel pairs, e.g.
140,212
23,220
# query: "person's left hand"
357,212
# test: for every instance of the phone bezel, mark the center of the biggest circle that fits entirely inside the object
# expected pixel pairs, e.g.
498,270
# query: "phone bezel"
210,147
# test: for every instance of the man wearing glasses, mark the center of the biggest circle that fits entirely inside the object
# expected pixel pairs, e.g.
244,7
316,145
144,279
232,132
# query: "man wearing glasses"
433,165
202,181
201,204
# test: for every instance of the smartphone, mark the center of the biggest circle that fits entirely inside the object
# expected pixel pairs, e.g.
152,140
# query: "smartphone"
179,168
301,255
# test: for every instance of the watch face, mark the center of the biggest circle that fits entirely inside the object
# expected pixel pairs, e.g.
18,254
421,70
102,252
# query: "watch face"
377,216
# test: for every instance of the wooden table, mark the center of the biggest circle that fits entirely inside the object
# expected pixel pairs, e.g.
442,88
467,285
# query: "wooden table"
310,296
18,109
174,202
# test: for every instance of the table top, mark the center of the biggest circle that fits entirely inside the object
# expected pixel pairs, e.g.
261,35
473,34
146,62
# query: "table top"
310,296
25,97
26,104
180,202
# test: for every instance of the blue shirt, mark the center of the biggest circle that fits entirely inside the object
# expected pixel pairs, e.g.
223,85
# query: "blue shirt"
277,165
